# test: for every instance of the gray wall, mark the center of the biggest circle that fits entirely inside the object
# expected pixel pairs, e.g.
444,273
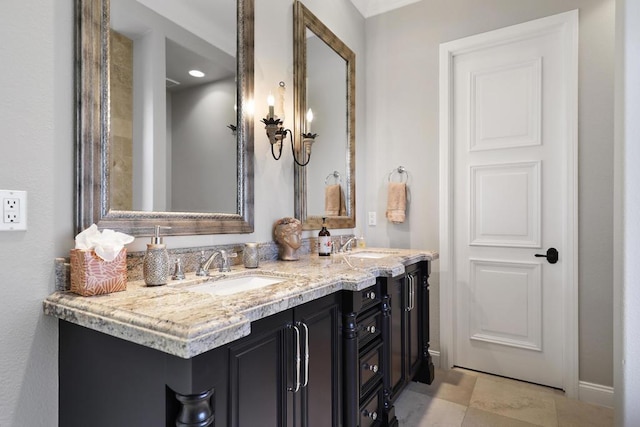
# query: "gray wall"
203,149
402,129
37,122
36,118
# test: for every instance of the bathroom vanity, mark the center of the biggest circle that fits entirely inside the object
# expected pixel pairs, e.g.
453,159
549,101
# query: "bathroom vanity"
329,342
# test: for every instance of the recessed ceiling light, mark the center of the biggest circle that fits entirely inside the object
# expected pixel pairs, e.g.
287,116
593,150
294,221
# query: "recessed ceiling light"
196,73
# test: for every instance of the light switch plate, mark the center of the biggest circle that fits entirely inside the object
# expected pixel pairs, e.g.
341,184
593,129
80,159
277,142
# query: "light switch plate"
372,218
14,210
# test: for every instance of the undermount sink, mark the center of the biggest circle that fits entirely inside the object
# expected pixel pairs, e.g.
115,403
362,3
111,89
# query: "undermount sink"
234,285
370,254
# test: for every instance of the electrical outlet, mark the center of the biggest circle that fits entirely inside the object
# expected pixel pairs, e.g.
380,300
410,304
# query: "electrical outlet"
372,218
14,210
12,218
11,209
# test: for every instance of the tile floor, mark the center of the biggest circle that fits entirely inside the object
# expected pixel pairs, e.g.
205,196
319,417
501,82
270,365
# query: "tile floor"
465,398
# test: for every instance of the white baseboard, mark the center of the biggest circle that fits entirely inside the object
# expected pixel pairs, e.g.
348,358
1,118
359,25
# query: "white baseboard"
435,358
595,393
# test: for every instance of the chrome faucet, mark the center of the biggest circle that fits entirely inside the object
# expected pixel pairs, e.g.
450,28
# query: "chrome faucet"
225,266
346,247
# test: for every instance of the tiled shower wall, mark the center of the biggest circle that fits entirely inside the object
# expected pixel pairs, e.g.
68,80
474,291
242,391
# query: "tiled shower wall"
121,88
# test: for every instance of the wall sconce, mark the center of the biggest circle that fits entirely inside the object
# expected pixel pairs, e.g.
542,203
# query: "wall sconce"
277,133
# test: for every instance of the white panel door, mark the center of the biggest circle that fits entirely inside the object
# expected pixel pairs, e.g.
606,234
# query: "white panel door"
509,131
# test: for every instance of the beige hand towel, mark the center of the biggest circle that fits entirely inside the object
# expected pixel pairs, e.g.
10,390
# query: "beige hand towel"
334,200
396,202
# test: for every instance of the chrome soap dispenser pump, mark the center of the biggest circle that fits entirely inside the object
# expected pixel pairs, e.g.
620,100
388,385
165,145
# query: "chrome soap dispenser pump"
156,260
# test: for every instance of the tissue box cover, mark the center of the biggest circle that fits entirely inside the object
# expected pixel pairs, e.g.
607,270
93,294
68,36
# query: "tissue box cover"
91,275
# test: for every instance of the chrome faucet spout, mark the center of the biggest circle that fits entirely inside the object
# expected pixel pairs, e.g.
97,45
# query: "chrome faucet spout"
225,265
346,247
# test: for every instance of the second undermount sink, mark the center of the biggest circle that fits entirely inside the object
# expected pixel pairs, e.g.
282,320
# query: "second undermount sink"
370,254
233,285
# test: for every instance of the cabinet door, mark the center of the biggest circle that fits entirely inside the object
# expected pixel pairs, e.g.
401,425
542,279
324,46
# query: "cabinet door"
396,290
318,404
259,374
413,280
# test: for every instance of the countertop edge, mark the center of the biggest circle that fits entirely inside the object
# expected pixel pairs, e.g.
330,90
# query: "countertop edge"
208,335
158,340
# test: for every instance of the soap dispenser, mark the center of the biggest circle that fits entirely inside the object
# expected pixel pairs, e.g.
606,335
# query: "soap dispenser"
156,261
361,242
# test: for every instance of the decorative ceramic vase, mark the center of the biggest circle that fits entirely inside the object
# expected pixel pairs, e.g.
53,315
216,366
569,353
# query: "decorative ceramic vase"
288,232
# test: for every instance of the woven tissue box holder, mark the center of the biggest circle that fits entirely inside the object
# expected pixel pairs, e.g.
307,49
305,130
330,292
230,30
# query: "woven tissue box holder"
91,275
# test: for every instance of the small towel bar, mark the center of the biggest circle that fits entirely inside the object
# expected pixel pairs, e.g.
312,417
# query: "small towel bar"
402,171
336,175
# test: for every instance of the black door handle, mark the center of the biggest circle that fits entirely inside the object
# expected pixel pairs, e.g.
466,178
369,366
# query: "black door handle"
551,255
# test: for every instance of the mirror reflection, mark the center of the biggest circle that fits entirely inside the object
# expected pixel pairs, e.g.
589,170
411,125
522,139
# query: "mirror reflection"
145,154
173,106
324,76
326,97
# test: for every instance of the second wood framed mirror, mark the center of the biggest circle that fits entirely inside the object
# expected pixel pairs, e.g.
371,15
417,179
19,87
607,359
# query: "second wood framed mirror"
324,79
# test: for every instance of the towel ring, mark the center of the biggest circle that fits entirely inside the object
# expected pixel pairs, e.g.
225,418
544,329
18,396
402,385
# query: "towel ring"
402,171
335,175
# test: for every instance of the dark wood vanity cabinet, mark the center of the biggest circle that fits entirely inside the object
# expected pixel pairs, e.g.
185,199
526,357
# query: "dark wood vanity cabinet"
363,322
106,381
408,332
288,371
340,360
386,345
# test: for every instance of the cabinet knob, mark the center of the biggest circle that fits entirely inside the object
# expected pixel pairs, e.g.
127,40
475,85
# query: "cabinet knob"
372,368
371,329
370,295
372,415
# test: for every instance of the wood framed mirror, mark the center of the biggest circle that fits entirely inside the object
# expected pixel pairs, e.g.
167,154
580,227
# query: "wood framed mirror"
324,80
96,155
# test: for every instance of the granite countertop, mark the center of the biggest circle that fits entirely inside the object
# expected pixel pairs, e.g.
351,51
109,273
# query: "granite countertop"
184,323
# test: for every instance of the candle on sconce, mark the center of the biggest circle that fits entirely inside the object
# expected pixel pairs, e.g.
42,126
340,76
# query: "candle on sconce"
309,120
271,101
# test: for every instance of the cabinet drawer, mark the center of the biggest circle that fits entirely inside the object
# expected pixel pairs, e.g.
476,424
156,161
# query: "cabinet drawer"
370,296
369,327
370,367
361,301
371,409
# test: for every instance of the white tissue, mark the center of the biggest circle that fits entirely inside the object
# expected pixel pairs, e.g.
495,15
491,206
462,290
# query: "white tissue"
106,244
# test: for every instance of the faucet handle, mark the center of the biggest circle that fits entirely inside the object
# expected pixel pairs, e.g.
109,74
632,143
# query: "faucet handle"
201,271
225,265
178,273
227,254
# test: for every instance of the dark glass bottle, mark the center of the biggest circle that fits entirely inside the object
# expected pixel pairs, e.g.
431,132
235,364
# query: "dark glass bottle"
324,240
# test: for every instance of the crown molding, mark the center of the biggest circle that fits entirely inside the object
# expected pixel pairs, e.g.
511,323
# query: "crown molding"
370,8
